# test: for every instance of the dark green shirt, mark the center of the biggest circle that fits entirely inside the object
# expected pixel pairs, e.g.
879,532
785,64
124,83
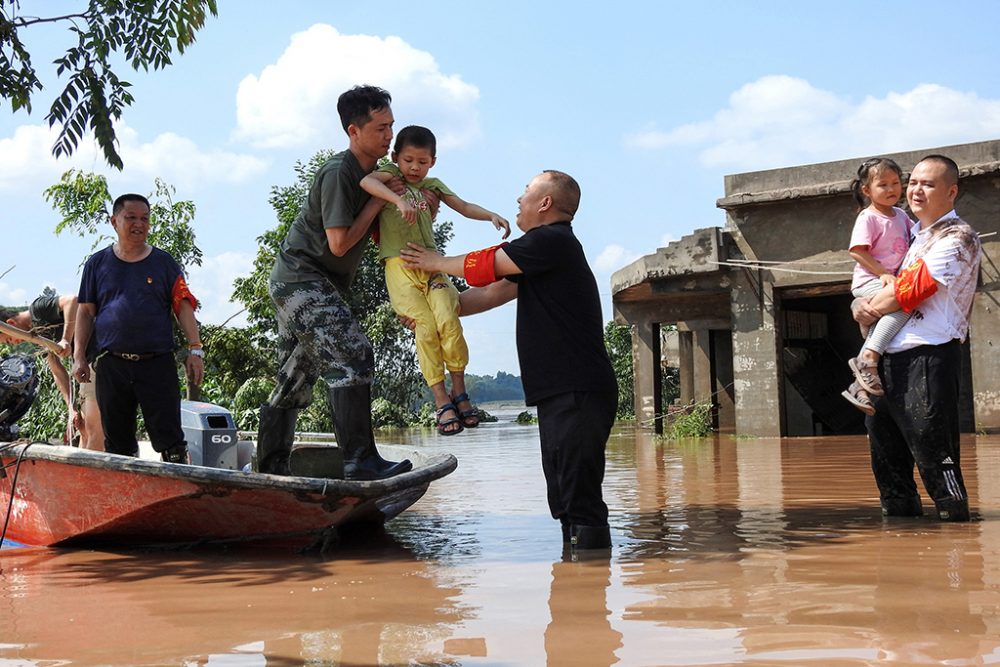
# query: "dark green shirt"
334,200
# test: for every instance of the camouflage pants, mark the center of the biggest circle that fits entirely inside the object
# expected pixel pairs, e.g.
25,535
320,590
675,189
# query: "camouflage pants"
318,337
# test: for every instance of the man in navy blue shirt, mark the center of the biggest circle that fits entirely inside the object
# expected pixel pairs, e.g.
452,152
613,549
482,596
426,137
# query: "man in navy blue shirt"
565,367
130,291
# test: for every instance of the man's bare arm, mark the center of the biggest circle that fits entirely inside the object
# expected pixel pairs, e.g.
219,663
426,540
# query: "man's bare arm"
85,313
866,311
194,365
60,376
342,239
417,257
480,299
68,306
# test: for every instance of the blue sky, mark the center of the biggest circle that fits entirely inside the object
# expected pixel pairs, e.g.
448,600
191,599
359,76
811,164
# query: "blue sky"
647,104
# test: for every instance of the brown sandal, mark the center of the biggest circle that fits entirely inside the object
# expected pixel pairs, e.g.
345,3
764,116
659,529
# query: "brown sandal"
866,376
858,397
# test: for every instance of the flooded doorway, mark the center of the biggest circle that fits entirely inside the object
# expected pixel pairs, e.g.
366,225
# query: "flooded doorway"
817,337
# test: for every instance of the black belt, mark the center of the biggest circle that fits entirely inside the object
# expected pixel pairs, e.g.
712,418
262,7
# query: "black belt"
129,356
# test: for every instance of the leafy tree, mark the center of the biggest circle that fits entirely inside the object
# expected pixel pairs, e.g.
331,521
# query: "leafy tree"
145,32
234,354
83,199
618,340
486,388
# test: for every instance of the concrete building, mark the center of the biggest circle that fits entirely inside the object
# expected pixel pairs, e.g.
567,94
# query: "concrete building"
761,308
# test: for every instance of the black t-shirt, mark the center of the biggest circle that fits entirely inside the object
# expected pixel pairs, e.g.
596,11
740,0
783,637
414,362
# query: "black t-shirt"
48,320
46,317
560,330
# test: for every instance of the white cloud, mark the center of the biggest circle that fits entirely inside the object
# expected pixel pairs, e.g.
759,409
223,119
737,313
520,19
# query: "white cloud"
27,164
614,257
780,120
26,158
212,284
181,162
12,296
294,101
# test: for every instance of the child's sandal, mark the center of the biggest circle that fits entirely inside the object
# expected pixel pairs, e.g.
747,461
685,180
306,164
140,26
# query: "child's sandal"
443,426
857,397
866,376
470,417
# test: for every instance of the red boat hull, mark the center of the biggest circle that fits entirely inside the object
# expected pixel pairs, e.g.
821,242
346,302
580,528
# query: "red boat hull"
63,495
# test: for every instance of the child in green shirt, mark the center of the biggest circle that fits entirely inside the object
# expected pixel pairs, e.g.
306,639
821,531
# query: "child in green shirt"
429,299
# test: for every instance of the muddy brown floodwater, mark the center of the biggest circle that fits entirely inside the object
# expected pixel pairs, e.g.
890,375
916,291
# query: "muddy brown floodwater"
726,552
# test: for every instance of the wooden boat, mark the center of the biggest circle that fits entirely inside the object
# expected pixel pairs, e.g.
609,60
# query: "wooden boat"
59,495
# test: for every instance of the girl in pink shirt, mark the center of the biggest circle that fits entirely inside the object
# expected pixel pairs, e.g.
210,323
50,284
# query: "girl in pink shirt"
879,242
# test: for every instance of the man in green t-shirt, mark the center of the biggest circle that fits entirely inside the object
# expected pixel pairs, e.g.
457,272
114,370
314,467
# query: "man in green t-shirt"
53,316
318,336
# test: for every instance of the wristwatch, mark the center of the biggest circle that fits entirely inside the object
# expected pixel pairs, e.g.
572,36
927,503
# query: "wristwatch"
197,352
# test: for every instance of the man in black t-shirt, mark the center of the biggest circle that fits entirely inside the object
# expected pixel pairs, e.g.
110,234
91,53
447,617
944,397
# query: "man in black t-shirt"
565,367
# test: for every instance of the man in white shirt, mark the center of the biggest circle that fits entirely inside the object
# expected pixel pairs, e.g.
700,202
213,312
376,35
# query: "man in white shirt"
916,421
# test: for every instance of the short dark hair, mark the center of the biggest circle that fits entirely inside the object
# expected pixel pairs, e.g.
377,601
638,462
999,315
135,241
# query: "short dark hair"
356,105
567,191
119,204
950,166
416,136
7,313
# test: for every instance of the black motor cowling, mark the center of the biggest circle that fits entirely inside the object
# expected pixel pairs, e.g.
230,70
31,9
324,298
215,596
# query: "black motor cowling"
18,389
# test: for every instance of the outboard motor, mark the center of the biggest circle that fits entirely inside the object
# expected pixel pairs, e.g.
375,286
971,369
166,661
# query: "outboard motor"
18,389
210,435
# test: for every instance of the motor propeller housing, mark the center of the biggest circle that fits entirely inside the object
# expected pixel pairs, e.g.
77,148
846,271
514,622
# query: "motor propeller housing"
18,389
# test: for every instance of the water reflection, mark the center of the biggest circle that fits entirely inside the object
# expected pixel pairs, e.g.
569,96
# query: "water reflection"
749,552
162,608
580,632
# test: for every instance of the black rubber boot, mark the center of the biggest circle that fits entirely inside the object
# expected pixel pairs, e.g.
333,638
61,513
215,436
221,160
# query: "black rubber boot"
902,507
352,424
953,510
175,454
590,537
274,439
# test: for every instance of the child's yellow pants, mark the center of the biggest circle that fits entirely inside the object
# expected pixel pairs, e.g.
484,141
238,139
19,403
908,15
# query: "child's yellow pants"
430,300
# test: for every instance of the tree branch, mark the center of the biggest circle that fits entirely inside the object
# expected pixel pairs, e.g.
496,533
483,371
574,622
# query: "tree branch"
22,22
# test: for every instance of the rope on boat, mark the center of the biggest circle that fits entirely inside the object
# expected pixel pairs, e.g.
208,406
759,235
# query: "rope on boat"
13,483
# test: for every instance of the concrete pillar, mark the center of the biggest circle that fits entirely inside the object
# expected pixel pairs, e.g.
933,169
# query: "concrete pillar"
702,353
648,374
722,363
686,368
755,364
985,346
